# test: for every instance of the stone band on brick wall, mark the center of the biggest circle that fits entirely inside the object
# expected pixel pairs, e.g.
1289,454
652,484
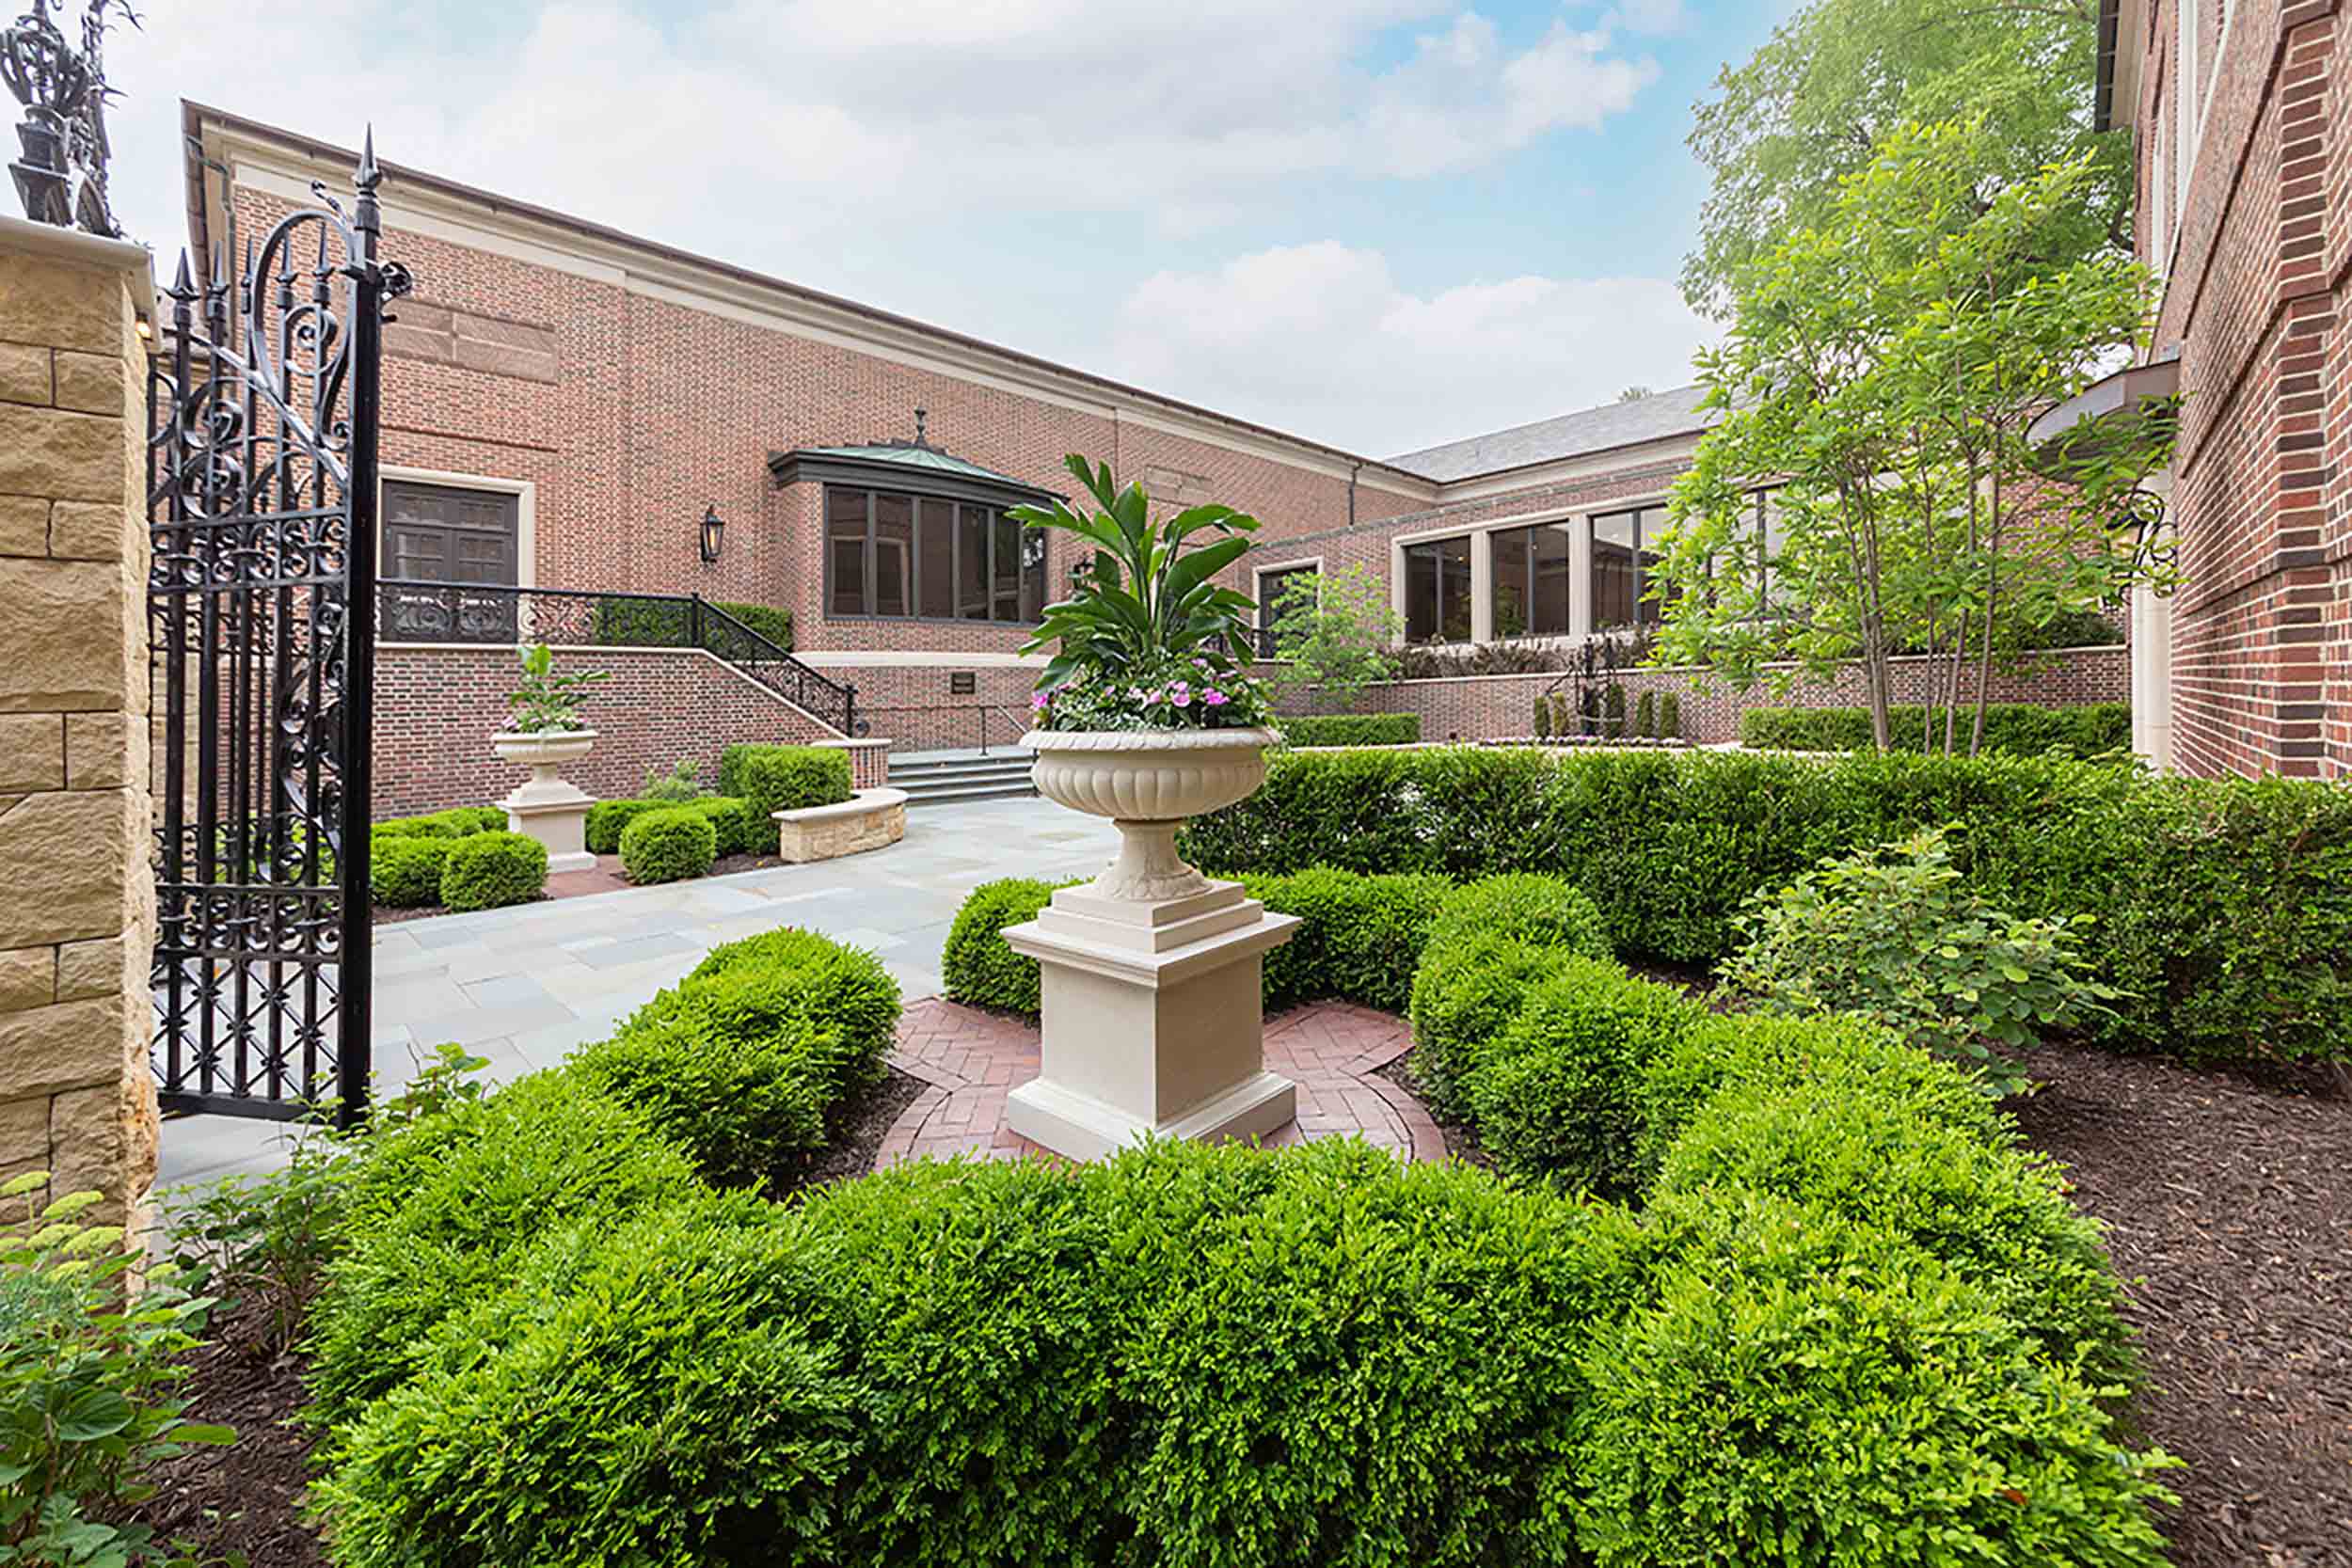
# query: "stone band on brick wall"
77,892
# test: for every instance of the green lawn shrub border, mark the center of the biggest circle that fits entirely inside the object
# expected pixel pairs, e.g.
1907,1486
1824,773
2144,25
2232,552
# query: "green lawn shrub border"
2221,908
1351,729
2019,729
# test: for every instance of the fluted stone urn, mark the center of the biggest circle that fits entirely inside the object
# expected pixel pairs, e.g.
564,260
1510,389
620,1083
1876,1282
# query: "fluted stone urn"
1151,973
548,806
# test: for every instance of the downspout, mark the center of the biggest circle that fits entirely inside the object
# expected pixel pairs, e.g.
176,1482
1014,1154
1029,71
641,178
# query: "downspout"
1352,472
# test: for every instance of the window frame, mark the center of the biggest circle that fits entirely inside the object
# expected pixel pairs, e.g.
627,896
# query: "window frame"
1468,540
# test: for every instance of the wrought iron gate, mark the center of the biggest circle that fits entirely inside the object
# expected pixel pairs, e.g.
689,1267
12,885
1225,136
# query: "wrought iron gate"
262,494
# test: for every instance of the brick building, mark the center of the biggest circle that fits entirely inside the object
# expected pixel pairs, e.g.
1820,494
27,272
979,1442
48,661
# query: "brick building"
564,406
2242,133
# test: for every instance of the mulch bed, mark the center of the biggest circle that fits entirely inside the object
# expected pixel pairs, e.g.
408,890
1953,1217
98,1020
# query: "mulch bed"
2230,1200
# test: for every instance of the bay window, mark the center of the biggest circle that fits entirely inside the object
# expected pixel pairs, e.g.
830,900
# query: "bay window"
893,556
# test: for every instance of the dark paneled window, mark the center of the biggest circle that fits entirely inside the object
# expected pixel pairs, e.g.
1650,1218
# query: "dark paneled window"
1624,564
1437,590
902,557
1532,581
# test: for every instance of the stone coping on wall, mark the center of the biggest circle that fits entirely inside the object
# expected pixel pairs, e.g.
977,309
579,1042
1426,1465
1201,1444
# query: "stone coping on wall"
869,819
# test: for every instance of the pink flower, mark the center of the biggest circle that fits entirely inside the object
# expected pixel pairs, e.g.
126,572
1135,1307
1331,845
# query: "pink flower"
1213,698
1042,700
1138,694
1178,694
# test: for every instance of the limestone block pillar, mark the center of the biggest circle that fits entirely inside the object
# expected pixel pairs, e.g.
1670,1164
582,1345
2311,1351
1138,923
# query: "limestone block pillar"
77,896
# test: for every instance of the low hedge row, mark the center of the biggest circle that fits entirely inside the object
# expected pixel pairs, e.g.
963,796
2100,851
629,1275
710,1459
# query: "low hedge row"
2222,908
770,778
1358,937
642,623
2020,728
463,857
1351,729
668,845
1839,1332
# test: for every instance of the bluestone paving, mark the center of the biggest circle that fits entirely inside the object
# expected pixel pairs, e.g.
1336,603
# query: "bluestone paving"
525,986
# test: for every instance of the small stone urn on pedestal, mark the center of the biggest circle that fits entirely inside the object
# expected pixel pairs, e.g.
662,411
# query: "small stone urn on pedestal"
546,807
1152,1020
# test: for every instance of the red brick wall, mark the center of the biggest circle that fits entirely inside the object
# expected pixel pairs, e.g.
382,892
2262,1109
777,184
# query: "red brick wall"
2261,641
437,708
1487,707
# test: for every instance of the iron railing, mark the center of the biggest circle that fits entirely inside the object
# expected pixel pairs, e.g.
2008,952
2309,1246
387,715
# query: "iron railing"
409,611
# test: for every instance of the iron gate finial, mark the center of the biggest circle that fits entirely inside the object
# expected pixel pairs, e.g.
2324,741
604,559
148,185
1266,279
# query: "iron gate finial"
60,173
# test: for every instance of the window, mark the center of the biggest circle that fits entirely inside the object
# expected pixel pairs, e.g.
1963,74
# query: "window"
1530,588
902,557
1437,590
1623,565
442,533
1271,587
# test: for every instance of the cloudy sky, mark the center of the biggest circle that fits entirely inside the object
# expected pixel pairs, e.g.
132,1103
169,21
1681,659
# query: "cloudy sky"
1378,223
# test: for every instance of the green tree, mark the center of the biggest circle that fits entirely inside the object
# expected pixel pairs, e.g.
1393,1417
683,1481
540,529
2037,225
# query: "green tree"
1335,633
1882,370
1812,105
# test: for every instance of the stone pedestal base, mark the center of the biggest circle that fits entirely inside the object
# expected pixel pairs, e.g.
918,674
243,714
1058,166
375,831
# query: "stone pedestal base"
554,812
1151,1020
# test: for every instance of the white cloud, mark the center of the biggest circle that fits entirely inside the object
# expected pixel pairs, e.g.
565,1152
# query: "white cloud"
762,123
1649,17
1320,340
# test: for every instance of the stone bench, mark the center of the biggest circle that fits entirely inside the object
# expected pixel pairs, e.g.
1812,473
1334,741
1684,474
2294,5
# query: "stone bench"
869,819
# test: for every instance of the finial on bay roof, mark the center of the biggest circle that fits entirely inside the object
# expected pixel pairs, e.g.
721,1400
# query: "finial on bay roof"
920,415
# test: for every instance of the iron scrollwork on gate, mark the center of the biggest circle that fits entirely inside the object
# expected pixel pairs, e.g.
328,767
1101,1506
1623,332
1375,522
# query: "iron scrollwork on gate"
261,492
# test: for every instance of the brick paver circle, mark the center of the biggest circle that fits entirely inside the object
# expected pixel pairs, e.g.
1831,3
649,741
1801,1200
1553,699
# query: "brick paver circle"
969,1060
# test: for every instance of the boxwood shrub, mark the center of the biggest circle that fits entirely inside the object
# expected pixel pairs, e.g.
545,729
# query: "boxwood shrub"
770,621
1558,1093
608,820
1785,1386
1469,989
443,1207
975,966
487,871
2023,729
668,845
744,1064
1550,912
1351,729
2222,908
1358,937
406,873
737,830
770,778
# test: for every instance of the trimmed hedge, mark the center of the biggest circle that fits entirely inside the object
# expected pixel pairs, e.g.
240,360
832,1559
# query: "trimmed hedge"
744,1062
1351,729
737,830
1548,911
668,845
771,621
976,967
456,822
608,820
1468,991
1358,937
487,871
404,873
2223,908
770,778
1557,1093
2020,728
442,1209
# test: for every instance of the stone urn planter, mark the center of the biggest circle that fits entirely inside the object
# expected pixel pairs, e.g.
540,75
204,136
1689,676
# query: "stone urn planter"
546,806
1151,974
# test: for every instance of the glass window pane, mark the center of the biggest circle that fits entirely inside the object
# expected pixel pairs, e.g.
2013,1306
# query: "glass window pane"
1420,592
1032,573
1653,524
972,536
1272,586
1514,606
894,555
1551,615
935,560
1454,588
845,551
1613,537
1773,539
1006,581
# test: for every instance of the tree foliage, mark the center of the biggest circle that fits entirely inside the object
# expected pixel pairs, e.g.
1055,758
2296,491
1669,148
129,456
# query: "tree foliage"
1812,105
1335,633
1882,373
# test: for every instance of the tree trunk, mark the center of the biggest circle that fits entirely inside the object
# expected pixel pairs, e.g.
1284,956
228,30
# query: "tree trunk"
1991,593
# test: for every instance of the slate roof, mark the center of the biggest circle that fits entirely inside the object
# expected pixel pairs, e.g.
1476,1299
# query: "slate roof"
1674,412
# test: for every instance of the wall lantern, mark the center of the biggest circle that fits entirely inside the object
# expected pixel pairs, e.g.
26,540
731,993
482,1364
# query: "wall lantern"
714,529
